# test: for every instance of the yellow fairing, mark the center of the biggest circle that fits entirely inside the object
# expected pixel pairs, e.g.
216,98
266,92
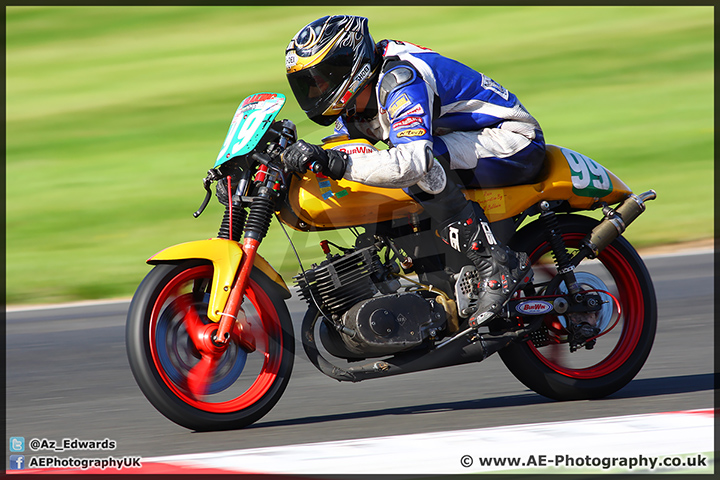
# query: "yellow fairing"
556,182
351,204
225,256
324,203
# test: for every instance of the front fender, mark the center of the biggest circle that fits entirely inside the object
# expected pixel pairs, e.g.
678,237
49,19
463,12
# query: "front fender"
225,256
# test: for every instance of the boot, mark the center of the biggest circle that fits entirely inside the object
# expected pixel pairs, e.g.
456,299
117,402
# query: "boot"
501,271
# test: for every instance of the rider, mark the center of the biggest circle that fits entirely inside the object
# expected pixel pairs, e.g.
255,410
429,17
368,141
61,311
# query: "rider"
436,115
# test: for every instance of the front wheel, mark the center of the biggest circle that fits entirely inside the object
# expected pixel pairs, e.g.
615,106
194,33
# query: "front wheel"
230,388
628,319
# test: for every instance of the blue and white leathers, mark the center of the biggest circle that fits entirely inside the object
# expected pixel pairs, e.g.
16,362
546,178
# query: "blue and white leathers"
438,107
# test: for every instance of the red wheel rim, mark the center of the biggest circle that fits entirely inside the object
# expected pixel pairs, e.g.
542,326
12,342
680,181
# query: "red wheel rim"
633,312
273,342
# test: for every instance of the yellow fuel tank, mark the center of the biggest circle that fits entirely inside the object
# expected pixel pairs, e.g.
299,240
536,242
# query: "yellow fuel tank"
321,203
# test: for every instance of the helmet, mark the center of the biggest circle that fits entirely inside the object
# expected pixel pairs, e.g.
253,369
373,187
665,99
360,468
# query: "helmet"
328,63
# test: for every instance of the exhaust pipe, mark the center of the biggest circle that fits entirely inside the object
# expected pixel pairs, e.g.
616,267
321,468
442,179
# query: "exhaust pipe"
616,222
457,353
465,347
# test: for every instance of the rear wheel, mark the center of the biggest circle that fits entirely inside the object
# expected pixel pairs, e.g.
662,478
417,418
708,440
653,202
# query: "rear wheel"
186,377
627,321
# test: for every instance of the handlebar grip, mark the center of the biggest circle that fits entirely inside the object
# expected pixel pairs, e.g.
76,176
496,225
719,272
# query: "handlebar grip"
261,158
316,167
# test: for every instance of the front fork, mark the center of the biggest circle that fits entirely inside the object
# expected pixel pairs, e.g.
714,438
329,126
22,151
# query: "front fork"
256,227
232,307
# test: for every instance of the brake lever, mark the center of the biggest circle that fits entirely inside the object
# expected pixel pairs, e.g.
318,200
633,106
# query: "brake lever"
207,181
205,202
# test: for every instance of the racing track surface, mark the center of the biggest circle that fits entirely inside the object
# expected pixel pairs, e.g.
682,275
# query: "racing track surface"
68,377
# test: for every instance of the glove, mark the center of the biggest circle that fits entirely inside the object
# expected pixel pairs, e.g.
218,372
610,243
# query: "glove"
298,156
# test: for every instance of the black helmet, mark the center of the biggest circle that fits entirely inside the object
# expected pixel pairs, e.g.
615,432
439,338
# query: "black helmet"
328,63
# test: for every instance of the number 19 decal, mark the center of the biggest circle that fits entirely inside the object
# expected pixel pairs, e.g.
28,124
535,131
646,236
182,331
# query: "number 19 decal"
589,178
252,119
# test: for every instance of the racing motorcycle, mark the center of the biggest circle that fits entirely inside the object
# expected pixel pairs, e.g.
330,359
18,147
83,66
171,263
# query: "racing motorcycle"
210,340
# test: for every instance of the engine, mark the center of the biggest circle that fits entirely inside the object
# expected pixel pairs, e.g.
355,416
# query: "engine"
343,280
365,314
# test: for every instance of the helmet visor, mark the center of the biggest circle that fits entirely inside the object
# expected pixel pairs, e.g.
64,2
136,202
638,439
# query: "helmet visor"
315,88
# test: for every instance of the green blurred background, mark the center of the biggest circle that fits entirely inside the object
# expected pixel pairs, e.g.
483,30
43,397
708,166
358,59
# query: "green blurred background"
114,114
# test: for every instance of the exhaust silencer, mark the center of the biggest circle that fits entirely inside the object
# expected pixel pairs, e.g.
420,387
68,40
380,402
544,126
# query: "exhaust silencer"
616,221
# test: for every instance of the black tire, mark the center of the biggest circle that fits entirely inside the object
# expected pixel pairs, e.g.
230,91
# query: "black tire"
241,387
550,369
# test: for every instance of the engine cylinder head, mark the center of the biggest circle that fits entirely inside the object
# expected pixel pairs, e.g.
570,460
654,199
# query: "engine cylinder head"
340,281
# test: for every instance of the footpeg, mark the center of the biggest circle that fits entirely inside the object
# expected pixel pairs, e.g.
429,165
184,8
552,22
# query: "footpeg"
466,291
477,322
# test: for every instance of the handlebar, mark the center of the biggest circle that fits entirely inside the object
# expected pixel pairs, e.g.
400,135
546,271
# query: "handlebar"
286,134
263,158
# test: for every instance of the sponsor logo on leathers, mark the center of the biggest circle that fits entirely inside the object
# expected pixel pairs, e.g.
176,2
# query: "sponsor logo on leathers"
400,102
407,122
413,132
356,149
416,110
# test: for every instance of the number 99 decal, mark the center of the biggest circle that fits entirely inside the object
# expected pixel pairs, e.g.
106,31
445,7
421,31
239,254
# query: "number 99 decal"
589,178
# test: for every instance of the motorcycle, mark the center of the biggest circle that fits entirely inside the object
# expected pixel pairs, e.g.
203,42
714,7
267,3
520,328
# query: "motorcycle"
210,340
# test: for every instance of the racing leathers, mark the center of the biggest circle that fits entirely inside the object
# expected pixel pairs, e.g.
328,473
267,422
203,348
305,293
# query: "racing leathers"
429,106
439,116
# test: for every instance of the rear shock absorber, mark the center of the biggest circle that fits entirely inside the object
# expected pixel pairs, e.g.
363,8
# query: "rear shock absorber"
562,258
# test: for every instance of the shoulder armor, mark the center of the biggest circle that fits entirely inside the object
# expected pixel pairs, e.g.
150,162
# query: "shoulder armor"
395,74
